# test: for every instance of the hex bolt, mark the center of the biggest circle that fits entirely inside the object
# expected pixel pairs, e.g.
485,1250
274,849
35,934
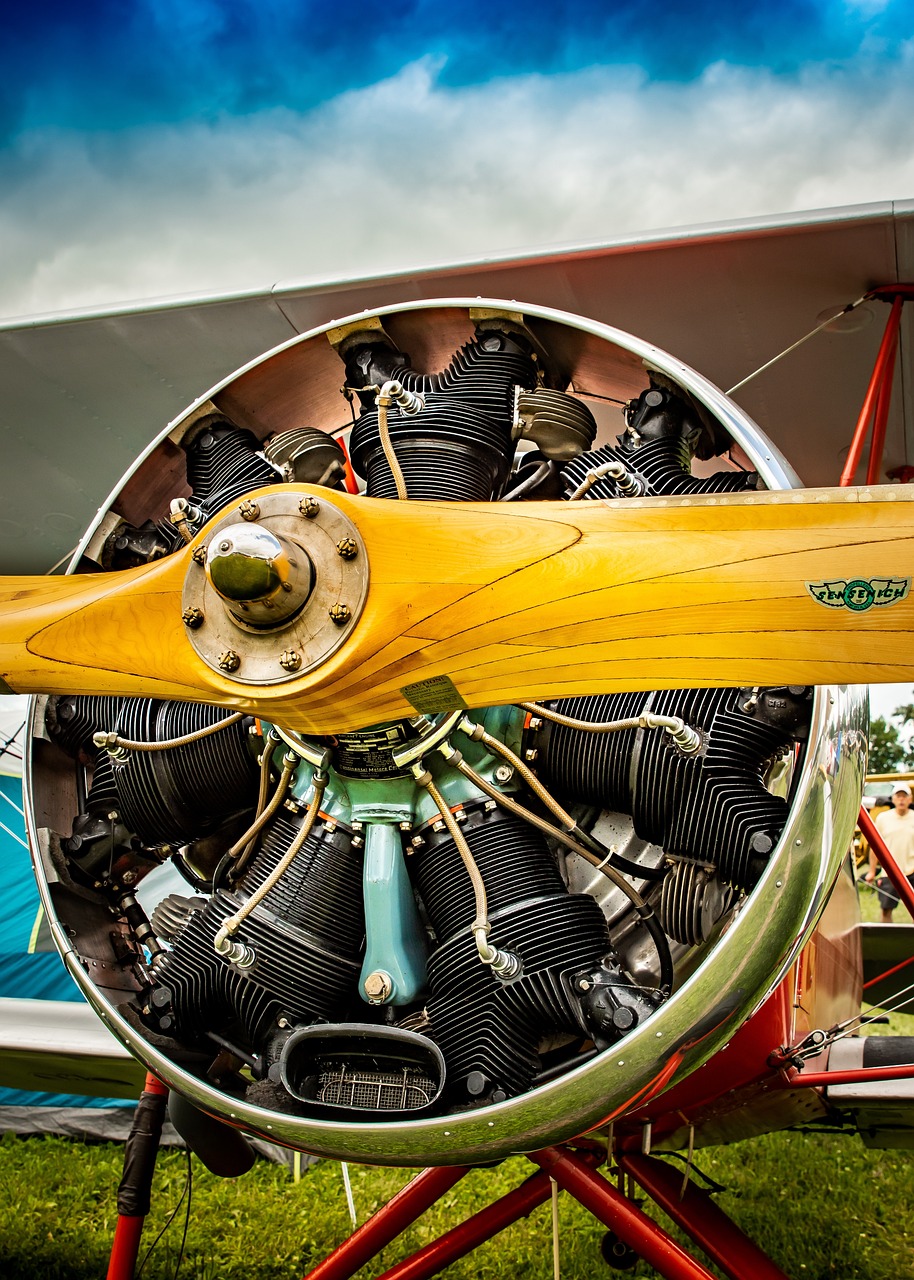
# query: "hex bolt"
347,548
249,510
290,660
378,986
229,660
198,555
504,773
340,613
192,617
530,754
309,507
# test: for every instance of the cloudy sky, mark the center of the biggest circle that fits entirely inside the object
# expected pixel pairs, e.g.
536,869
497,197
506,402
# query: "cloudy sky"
156,147
172,146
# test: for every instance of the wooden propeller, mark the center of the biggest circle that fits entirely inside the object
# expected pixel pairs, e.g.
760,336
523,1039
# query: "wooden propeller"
483,604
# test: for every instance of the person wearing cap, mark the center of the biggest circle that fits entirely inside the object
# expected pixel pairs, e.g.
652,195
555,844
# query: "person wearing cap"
896,826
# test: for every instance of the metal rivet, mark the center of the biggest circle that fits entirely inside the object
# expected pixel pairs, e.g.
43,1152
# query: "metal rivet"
198,555
340,613
347,548
249,510
192,618
309,507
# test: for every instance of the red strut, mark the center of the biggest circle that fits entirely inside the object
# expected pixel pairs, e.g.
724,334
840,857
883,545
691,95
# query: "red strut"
618,1213
900,883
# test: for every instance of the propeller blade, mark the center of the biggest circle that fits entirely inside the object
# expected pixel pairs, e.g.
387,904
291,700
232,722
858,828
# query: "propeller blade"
102,633
480,604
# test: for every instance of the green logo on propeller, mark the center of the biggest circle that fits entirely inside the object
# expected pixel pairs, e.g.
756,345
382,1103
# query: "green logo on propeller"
859,594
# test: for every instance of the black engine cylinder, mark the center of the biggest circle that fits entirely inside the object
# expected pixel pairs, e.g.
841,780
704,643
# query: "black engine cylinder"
168,796
489,1030
458,448
306,936
663,435
710,807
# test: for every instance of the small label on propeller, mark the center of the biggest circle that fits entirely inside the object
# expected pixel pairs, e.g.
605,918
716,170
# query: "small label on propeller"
438,693
859,594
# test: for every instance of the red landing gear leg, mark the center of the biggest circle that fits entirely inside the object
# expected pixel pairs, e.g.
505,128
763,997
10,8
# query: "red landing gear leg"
384,1226
575,1172
482,1226
697,1214
139,1166
618,1213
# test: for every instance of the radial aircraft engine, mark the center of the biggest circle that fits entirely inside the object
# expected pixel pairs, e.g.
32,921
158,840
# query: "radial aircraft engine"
430,761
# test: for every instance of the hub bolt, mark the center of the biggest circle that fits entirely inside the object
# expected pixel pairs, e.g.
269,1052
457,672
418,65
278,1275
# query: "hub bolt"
290,660
192,617
198,555
347,548
229,660
249,510
340,613
309,507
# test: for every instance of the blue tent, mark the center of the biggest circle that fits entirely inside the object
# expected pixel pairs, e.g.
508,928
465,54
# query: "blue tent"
30,966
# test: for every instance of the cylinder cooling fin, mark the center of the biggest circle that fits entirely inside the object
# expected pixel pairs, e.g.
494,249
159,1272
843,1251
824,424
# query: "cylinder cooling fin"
470,931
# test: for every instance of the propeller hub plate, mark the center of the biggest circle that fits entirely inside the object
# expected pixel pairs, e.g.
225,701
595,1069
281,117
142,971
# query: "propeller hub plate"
255,602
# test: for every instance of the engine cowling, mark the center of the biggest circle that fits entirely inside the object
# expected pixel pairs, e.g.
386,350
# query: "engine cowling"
461,934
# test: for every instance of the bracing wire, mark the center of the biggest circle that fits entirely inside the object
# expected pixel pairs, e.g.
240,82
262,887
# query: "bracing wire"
851,306
186,1194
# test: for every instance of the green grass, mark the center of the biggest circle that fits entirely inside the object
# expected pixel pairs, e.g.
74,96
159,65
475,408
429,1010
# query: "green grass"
869,905
822,1206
